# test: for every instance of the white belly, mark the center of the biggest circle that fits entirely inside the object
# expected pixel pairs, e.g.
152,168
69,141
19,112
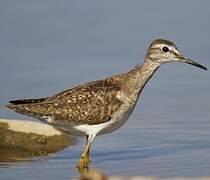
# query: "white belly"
115,123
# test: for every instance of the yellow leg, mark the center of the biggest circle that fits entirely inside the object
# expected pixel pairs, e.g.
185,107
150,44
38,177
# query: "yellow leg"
88,151
84,161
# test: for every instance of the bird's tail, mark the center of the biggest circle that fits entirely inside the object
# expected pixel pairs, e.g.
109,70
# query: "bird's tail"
20,105
26,101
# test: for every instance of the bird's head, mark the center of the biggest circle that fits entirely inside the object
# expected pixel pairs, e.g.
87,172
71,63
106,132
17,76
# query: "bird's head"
164,51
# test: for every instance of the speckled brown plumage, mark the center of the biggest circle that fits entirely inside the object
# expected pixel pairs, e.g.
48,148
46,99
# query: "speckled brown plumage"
91,103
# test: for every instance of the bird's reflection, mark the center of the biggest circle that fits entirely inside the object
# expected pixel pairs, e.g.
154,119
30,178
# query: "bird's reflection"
93,174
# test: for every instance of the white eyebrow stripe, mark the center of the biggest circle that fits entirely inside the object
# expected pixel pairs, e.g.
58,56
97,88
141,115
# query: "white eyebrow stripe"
162,45
171,48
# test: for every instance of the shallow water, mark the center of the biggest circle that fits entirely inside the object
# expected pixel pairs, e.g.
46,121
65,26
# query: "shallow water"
154,146
59,46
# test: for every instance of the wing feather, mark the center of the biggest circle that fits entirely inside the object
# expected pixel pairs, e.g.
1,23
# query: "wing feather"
91,103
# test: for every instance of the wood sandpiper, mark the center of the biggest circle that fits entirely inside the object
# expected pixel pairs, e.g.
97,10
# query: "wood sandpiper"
100,106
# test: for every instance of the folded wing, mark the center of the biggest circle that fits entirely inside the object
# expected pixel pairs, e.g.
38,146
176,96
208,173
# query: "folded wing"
91,103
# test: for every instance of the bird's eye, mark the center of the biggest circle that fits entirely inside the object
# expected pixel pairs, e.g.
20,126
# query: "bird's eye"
165,49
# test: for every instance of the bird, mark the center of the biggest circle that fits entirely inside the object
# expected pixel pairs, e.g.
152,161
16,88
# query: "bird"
101,106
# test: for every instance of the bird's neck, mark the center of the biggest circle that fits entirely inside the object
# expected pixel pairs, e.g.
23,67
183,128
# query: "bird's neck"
139,76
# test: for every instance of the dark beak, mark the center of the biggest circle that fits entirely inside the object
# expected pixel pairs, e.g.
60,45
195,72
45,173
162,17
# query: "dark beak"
189,61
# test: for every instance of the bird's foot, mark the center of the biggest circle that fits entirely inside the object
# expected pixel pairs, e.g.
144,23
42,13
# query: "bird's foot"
83,164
